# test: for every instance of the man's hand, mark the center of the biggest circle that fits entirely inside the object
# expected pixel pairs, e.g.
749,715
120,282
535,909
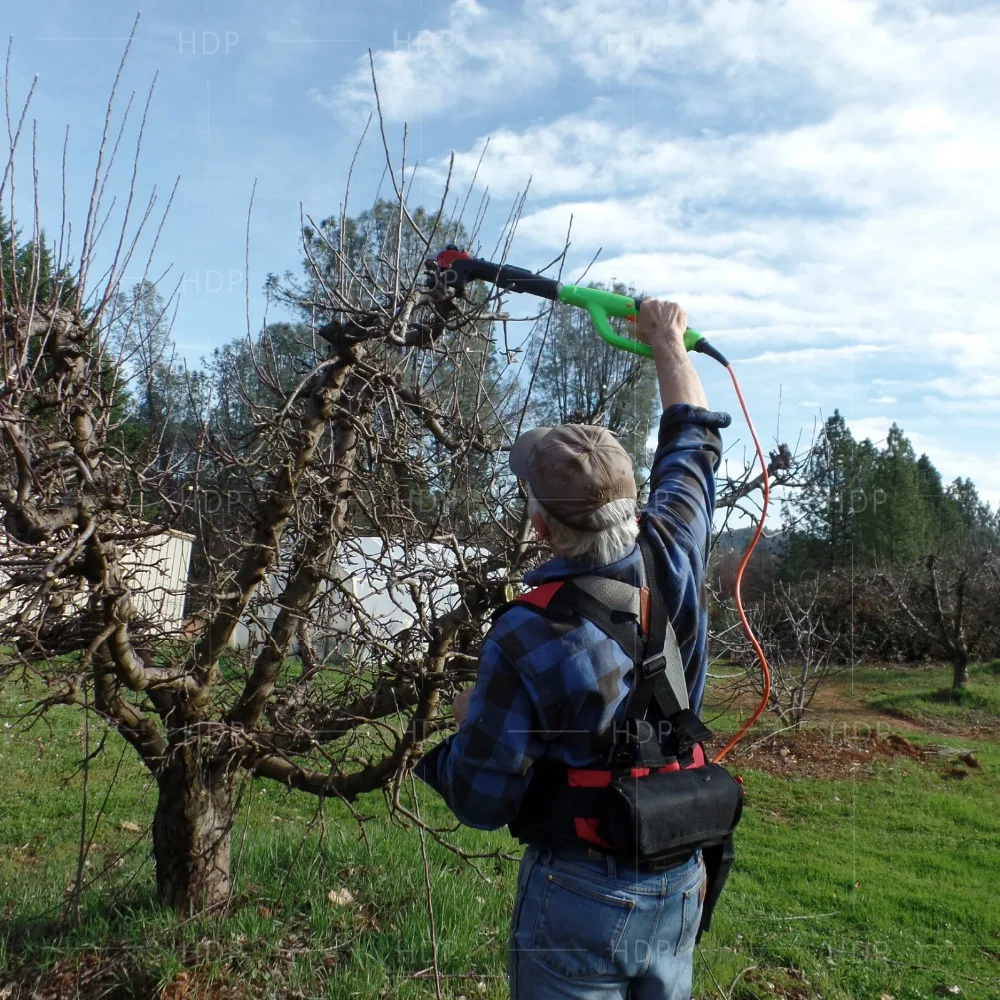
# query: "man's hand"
460,706
661,325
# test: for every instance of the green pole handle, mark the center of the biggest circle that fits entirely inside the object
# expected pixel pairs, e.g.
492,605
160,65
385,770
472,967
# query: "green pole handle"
601,304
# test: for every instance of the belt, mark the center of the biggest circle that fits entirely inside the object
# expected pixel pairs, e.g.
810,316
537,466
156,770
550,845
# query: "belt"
646,866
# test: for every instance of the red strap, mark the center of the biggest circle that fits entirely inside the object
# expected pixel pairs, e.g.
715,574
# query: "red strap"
584,777
541,595
592,777
586,829
698,756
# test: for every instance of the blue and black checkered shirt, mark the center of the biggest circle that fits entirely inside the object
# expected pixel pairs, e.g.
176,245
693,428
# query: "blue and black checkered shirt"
550,689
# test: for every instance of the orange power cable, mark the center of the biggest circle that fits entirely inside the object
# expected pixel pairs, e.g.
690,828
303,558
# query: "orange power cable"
765,669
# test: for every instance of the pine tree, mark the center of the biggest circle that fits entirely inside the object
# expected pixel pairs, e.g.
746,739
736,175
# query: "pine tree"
28,270
901,524
822,520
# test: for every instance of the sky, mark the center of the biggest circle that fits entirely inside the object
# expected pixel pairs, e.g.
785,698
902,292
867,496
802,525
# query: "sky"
815,182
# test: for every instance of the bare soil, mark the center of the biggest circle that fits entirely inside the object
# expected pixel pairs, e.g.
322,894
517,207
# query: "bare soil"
821,753
835,703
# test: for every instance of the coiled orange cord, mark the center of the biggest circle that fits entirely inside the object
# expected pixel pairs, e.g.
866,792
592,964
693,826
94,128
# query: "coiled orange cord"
765,669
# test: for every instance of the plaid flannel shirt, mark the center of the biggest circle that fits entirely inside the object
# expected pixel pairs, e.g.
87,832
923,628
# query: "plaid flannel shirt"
548,688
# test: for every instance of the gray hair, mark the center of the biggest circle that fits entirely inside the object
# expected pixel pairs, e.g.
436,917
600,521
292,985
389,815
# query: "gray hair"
613,537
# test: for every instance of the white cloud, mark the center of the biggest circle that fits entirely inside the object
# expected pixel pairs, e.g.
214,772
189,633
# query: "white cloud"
729,54
859,223
482,57
812,355
976,358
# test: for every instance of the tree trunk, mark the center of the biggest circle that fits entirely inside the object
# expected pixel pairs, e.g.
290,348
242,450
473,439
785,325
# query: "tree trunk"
960,671
191,833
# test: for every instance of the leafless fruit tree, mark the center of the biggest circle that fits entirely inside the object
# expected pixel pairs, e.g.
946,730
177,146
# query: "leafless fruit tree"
799,642
391,426
948,602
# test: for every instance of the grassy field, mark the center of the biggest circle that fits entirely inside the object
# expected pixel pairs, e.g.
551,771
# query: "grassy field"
881,881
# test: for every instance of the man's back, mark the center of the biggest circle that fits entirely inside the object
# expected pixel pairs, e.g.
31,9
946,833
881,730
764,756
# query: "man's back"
553,689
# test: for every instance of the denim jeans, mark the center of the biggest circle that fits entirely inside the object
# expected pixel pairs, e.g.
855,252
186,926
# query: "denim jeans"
585,930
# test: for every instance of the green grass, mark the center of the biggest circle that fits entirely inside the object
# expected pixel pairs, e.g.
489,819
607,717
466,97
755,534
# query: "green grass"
927,698
859,887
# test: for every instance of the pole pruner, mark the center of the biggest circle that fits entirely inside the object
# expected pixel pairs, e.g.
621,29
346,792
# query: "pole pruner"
456,268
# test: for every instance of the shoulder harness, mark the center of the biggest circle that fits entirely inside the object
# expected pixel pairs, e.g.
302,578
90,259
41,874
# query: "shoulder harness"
566,807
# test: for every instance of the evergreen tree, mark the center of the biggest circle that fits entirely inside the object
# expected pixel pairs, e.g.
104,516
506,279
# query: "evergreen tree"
822,521
861,505
901,536
28,271
943,526
157,390
980,525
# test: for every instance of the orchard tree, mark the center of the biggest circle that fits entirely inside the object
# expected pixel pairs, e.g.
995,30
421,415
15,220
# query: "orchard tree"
380,383
383,408
950,602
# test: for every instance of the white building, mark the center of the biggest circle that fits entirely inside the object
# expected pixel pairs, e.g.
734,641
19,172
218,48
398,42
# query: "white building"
156,571
377,582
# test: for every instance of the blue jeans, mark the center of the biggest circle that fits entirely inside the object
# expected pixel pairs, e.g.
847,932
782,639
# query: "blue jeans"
585,930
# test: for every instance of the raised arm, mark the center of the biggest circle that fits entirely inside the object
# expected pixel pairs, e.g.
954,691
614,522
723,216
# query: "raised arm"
682,487
662,326
678,514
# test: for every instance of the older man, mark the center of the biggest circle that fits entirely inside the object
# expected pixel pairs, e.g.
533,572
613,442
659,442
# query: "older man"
549,691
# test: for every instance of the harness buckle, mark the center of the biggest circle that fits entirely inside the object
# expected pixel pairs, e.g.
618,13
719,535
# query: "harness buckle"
654,665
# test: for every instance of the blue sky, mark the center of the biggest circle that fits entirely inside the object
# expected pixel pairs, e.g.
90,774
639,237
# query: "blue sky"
814,181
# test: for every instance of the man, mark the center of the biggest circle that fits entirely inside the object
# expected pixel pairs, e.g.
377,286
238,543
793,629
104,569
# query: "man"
585,926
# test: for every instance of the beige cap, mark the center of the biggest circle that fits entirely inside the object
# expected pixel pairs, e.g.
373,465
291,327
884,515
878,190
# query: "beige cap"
573,469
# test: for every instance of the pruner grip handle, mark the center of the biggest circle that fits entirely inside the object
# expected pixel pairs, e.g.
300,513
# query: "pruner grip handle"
692,338
601,304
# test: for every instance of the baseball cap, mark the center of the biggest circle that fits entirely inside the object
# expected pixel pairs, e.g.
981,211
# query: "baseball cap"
573,469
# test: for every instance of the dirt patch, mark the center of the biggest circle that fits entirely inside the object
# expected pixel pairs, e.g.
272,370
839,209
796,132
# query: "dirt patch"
835,705
827,754
783,982
969,728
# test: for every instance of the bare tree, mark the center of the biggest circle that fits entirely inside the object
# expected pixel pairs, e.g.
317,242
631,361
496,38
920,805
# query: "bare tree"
950,603
396,406
800,645
385,397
